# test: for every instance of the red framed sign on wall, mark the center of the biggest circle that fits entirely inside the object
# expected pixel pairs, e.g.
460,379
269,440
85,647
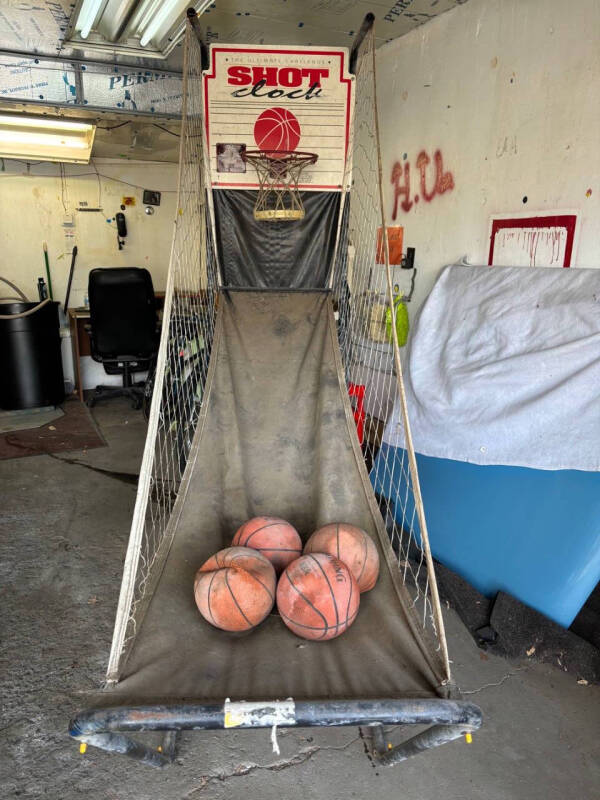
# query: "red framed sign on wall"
540,241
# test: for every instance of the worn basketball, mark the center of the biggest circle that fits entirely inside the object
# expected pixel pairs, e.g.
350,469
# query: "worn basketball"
317,597
276,129
273,537
235,589
351,545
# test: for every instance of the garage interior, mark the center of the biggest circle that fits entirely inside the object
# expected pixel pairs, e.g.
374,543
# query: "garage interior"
487,118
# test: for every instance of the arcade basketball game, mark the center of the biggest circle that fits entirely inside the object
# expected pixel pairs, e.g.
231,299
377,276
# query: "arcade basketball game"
265,584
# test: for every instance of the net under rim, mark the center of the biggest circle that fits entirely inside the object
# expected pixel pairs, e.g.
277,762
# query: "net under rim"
278,174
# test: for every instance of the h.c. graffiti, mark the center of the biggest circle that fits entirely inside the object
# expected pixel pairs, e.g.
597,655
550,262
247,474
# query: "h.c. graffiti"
441,182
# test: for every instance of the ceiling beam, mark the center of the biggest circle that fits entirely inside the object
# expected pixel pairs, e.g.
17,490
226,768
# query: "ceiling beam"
84,112
85,61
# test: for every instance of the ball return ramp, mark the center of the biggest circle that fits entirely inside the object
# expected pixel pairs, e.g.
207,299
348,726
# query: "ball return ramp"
274,433
277,432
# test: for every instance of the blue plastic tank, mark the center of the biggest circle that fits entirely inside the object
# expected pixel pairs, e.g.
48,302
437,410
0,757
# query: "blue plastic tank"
532,533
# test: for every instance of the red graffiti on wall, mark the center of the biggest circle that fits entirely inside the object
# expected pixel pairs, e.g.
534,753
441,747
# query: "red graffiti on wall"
401,189
400,178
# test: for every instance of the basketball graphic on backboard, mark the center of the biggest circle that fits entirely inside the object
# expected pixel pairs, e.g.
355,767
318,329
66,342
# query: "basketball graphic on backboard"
277,129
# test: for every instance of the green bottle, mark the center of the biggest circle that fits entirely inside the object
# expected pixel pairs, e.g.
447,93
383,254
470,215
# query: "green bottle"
402,326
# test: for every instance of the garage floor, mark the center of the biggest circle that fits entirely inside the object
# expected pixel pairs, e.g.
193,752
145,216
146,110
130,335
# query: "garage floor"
64,530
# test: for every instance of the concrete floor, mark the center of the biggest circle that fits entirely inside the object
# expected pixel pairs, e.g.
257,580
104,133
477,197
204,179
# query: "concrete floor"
64,530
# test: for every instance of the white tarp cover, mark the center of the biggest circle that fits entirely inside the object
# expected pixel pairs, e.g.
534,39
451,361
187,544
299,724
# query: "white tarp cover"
504,368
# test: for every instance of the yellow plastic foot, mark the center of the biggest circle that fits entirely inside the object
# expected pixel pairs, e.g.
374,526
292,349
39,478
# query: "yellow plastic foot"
82,747
468,738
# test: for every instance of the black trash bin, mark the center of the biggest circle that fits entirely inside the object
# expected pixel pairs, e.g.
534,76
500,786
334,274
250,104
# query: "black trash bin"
31,372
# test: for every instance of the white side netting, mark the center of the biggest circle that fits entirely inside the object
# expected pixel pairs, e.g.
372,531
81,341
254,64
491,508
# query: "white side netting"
362,290
362,295
186,338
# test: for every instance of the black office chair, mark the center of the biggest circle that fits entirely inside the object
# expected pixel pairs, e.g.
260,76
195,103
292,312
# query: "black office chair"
123,332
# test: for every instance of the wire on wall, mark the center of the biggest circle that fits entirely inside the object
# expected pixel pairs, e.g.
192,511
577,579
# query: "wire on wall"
137,122
63,186
166,130
98,177
64,178
112,127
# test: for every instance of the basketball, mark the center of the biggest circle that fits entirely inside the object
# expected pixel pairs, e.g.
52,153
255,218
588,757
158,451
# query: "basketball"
351,545
276,129
235,589
273,537
317,597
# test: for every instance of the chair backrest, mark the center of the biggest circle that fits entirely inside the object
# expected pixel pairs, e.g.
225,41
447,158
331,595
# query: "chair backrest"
123,313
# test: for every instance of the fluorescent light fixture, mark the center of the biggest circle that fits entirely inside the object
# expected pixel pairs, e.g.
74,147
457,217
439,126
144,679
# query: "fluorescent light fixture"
145,28
157,22
46,139
87,17
169,8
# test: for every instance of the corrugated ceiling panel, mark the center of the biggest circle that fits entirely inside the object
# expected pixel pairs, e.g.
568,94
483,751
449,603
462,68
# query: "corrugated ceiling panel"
133,90
41,26
104,87
34,27
29,79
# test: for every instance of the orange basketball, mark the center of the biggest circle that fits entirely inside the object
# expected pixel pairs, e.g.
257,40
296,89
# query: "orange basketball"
235,589
273,537
351,545
317,597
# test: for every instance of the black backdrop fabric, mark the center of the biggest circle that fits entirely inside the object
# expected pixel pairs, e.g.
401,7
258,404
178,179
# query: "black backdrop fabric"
275,254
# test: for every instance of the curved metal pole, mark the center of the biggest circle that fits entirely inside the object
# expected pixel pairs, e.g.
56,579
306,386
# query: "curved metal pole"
366,26
194,21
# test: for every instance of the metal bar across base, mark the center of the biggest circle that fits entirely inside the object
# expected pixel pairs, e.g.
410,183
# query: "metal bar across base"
105,727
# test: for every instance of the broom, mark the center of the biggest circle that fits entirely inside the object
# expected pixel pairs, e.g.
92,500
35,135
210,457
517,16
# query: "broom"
50,295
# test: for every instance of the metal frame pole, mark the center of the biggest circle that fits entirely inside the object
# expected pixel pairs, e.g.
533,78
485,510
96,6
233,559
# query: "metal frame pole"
366,26
194,21
105,728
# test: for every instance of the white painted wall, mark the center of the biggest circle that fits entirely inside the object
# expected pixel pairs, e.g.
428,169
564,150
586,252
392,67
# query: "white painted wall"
509,92
34,205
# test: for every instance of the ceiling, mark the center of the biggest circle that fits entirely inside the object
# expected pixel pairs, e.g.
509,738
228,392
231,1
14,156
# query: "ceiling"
121,105
44,27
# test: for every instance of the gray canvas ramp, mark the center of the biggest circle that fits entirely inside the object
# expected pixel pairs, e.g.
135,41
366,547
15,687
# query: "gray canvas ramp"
276,437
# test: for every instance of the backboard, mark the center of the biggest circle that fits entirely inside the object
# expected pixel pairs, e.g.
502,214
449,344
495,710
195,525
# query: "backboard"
279,98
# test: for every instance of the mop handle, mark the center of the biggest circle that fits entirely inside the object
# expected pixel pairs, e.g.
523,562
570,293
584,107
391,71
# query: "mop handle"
48,271
73,257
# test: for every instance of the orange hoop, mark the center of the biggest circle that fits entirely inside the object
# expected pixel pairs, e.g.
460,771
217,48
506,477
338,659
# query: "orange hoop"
279,172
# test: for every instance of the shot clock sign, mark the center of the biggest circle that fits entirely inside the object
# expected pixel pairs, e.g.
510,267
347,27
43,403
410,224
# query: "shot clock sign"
273,98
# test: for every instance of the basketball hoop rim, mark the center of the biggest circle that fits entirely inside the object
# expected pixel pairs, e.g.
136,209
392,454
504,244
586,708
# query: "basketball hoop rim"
301,157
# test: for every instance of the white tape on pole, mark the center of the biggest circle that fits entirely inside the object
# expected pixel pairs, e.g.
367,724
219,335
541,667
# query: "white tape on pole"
245,714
